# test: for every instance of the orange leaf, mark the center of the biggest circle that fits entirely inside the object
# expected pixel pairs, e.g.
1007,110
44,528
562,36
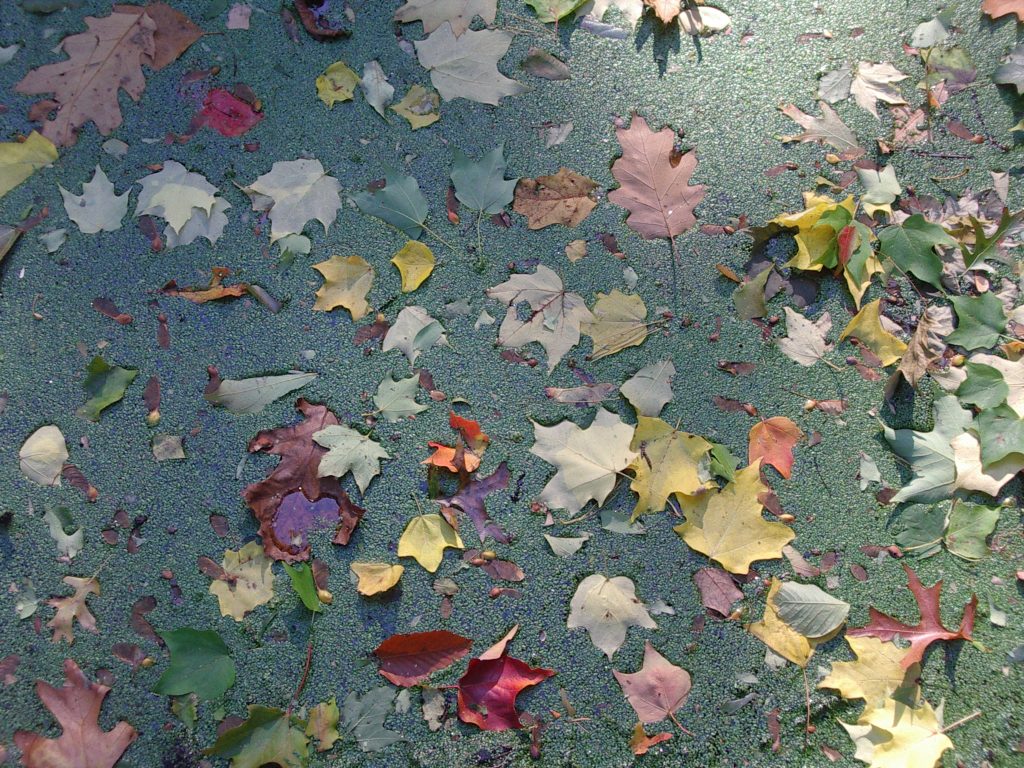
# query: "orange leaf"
444,457
772,442
640,742
475,437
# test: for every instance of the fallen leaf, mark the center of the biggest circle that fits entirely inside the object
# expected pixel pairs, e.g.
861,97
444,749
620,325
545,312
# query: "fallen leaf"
867,326
407,660
349,451
425,538
247,581
376,578
227,114
458,13
73,608
337,83
323,724
772,442
876,673
376,88
481,185
43,454
620,321
20,159
606,608
415,262
658,689
399,203
894,735
809,609
828,128
346,282
97,209
804,342
294,192
998,8
487,691
668,462
252,395
105,385
717,590
466,66
874,83
396,399
200,663
364,718
215,291
419,106
414,332
565,198
640,742
779,636
650,388
266,736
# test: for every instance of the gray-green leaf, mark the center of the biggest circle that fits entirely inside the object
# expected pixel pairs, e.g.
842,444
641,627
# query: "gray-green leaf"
400,203
349,451
482,185
809,610
200,663
397,399
245,396
364,718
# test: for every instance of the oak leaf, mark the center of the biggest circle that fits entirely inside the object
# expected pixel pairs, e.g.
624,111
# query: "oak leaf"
564,198
772,441
928,630
658,689
82,743
487,692
654,182
410,659
73,607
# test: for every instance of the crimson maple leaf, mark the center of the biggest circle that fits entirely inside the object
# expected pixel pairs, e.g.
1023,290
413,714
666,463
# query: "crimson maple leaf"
927,631
82,743
488,691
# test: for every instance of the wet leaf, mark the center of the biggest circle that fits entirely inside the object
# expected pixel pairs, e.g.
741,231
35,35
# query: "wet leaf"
407,660
200,663
565,198
419,106
323,724
266,736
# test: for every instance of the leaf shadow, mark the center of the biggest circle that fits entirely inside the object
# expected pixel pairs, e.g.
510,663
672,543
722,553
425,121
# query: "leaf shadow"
666,40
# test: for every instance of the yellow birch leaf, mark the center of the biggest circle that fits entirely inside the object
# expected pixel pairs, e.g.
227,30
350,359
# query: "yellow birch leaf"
346,283
425,538
876,673
20,159
670,462
337,83
419,107
415,262
375,578
867,327
250,583
619,322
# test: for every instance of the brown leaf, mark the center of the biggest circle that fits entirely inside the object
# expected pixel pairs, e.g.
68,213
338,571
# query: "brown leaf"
292,500
107,308
772,441
215,290
71,608
926,346
174,32
718,591
997,8
654,181
658,689
137,621
74,477
316,27
564,198
640,742
407,660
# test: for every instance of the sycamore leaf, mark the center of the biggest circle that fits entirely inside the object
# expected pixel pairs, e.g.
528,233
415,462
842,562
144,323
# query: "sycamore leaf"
43,454
425,538
459,13
105,384
804,342
415,262
414,332
828,128
364,718
419,106
778,635
980,321
874,83
658,689
867,327
669,462
620,321
970,525
810,610
971,473
200,663
481,185
631,10
346,282
564,198
894,735
399,203
376,88
487,691
467,66
772,442
1013,375
82,743
267,736
252,395
650,388
376,578
337,83
247,581
556,316
880,189
20,159
73,608
606,608
928,630
588,460
728,527
98,208
983,386
876,673
410,659
654,182
293,192
1001,433
349,451
323,724
396,399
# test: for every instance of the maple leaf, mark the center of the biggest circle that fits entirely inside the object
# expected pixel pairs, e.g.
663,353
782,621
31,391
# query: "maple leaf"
650,388
177,195
410,659
589,460
804,342
620,321
669,462
665,10
640,742
874,83
73,607
293,192
98,208
828,128
471,501
606,608
928,630
487,692
350,451
293,499
897,736
413,332
875,675
467,66
556,316
658,689
564,198
459,13
425,538
772,441
654,182
867,327
82,743
998,8
346,282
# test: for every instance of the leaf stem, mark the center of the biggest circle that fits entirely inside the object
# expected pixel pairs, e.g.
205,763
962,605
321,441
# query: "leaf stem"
961,721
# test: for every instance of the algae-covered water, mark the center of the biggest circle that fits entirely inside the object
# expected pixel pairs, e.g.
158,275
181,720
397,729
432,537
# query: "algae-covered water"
722,94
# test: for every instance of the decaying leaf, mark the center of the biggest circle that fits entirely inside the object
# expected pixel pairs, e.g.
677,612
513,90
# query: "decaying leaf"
620,321
828,128
246,581
266,736
73,608
565,198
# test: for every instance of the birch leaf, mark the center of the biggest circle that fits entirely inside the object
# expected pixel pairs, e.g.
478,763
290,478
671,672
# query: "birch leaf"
606,608
43,454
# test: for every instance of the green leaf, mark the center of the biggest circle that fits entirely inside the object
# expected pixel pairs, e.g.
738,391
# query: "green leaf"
723,463
400,203
980,320
923,528
969,526
809,610
105,385
303,584
912,246
200,663
929,454
1001,432
482,185
364,719
397,399
252,395
553,10
349,451
266,737
985,245
749,297
984,386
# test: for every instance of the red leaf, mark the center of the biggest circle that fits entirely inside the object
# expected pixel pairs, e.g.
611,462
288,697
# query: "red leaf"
227,114
928,630
772,442
82,743
410,659
475,437
291,501
717,590
488,691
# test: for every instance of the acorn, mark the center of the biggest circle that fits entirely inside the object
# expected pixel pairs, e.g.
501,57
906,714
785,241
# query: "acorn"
324,596
488,554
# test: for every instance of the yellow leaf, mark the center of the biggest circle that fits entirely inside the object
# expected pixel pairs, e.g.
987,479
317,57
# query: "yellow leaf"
375,578
670,462
323,724
415,262
875,674
337,83
20,159
346,283
250,583
730,530
898,736
619,322
810,242
778,635
419,107
867,327
43,455
576,250
425,538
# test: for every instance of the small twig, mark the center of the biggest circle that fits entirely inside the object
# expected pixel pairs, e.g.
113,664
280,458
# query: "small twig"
961,721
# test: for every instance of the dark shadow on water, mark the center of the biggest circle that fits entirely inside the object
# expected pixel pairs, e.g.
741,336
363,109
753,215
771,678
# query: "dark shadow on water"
665,41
